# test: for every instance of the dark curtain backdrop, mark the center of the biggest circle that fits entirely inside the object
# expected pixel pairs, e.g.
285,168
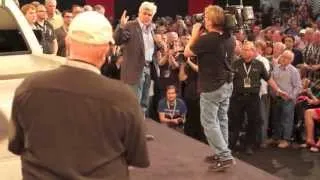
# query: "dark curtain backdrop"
196,6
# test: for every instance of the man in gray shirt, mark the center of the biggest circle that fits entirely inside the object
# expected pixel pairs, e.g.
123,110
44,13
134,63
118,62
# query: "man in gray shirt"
287,78
61,33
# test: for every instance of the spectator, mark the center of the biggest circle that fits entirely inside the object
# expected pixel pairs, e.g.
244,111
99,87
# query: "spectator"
29,12
49,40
289,41
311,91
61,33
188,75
312,116
276,36
241,35
278,49
245,97
263,93
268,51
268,32
172,110
72,120
182,28
287,78
293,29
112,69
76,9
169,64
311,55
54,16
306,38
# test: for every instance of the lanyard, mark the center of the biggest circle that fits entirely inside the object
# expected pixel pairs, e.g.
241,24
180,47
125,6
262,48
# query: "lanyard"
247,70
174,108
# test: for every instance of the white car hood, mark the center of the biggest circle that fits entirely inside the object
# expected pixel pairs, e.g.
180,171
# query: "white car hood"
14,69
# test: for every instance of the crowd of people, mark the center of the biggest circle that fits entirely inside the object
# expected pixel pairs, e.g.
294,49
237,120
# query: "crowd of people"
215,86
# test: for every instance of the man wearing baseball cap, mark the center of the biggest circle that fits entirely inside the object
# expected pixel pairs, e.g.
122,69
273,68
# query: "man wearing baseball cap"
72,122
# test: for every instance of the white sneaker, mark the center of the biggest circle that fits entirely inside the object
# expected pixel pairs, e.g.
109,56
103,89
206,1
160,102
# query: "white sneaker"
314,149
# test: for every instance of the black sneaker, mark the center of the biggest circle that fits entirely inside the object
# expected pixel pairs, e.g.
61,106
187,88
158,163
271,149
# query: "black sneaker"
211,159
222,165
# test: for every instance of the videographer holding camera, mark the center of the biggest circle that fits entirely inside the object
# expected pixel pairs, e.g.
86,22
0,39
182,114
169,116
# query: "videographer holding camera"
214,49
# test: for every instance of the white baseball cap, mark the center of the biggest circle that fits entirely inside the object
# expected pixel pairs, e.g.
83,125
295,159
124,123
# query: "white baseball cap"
91,28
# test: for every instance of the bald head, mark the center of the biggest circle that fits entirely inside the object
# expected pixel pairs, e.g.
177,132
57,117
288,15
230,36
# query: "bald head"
89,40
248,51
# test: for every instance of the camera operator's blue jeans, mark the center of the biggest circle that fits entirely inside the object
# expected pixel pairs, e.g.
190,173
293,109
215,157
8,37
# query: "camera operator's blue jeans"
214,119
141,89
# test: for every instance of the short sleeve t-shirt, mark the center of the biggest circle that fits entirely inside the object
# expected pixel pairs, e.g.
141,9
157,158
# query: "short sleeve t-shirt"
174,110
211,50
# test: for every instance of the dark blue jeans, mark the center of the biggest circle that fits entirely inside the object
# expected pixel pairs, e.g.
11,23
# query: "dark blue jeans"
282,118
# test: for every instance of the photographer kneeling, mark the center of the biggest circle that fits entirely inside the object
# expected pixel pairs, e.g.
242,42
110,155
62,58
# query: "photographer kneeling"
172,110
214,50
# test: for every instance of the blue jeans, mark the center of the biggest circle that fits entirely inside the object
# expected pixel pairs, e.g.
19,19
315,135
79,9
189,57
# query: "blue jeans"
141,89
282,119
214,119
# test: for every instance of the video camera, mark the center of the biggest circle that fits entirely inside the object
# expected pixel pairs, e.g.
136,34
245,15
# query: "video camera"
237,17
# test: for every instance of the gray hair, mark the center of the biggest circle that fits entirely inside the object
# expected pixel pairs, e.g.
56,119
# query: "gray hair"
146,5
48,1
288,52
